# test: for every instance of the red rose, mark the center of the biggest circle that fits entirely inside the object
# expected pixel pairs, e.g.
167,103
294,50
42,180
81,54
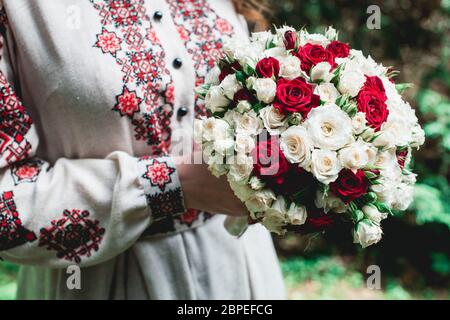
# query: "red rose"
242,95
317,221
229,69
268,67
295,96
350,186
269,161
401,157
339,49
372,101
290,39
312,54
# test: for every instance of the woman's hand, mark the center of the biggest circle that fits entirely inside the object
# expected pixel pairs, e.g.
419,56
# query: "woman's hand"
205,192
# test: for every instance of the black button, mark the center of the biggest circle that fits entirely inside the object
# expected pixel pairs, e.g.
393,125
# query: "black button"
157,15
182,112
177,63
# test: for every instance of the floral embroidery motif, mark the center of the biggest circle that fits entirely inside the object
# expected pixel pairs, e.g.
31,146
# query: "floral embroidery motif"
127,103
12,232
108,42
14,125
159,174
73,236
127,35
202,31
26,171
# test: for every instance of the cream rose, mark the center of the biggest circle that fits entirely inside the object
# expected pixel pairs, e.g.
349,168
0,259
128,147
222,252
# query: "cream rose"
265,89
367,233
274,121
372,213
351,79
230,85
321,71
355,156
241,168
325,165
248,123
296,146
260,201
290,67
330,203
327,92
329,127
244,143
359,123
297,214
215,100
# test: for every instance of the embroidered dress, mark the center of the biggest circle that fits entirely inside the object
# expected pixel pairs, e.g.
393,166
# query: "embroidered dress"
94,98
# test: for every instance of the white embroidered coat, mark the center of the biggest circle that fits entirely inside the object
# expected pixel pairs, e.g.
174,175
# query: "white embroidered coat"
93,96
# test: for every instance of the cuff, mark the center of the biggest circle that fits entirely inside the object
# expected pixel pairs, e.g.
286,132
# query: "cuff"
162,187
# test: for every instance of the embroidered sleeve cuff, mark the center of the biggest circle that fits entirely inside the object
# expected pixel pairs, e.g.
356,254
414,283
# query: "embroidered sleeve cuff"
162,187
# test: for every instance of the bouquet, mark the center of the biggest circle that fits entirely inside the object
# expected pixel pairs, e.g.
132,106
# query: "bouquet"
309,132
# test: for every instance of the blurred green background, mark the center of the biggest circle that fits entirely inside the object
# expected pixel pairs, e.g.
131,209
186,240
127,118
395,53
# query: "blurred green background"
414,255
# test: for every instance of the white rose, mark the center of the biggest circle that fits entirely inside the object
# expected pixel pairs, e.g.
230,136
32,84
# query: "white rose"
198,131
367,65
216,165
241,168
278,207
296,146
242,191
230,85
274,121
215,100
321,71
325,165
327,92
313,38
265,89
212,77
354,156
329,127
297,214
397,129
244,143
418,136
250,82
243,106
263,37
215,129
224,146
248,123
384,139
330,203
277,52
256,183
402,197
372,213
351,79
359,123
367,233
260,201
274,223
290,67
331,33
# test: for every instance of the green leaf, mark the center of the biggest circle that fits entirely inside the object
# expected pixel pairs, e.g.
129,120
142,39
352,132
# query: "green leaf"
402,87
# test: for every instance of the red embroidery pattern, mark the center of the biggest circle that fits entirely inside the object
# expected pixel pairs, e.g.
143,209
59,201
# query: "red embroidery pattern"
12,232
202,31
127,36
159,174
73,236
164,204
14,125
26,172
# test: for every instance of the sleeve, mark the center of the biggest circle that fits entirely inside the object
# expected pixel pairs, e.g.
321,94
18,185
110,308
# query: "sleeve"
74,211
